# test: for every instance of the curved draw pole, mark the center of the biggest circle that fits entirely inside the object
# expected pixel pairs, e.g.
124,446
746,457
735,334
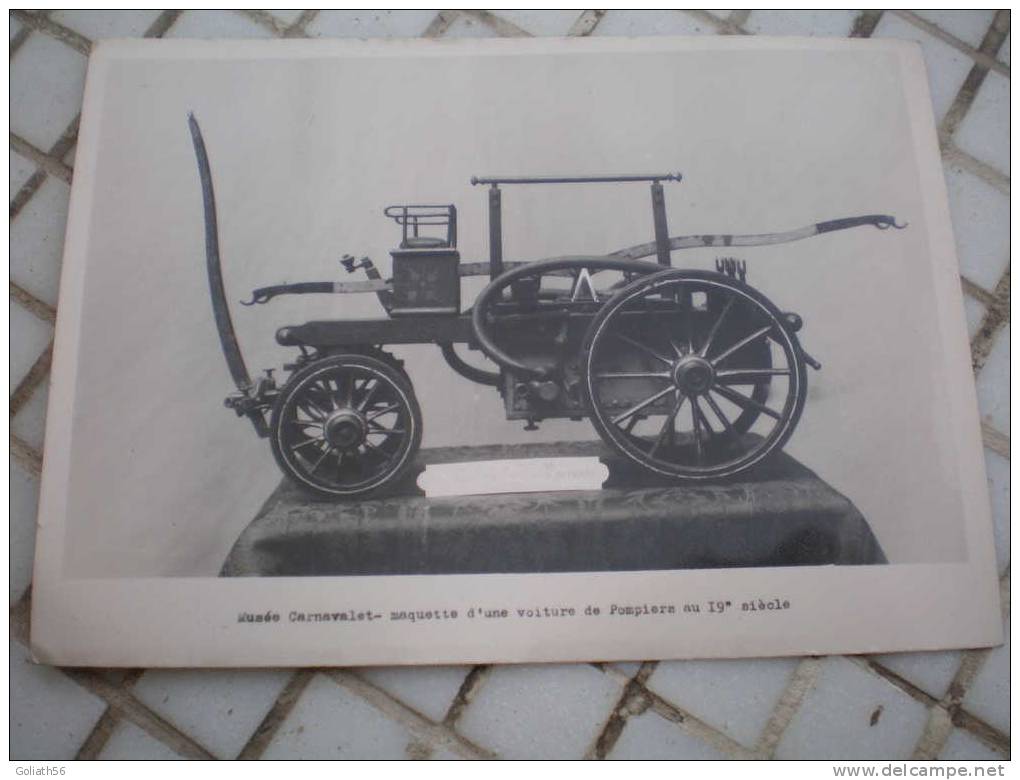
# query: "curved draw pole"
880,221
244,403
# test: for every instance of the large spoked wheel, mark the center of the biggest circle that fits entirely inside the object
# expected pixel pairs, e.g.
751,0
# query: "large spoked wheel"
694,375
346,426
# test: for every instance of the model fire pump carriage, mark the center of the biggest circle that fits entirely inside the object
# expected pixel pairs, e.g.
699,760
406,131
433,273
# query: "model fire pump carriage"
690,374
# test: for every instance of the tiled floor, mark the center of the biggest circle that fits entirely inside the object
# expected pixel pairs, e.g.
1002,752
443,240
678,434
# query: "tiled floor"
936,705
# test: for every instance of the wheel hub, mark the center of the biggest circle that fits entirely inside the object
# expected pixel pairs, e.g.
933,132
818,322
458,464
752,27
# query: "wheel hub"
693,375
345,429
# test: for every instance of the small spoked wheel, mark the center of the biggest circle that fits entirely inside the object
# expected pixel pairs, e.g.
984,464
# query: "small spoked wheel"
346,426
694,374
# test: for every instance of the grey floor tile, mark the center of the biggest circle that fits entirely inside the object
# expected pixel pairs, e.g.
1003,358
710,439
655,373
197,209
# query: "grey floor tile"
974,311
218,708
962,746
665,22
997,469
980,215
217,24
130,743
947,67
31,335
370,24
931,672
853,714
540,711
735,697
988,695
993,384
819,23
24,503
21,172
96,25
50,715
37,241
329,722
984,131
427,689
542,22
30,421
969,26
47,79
649,737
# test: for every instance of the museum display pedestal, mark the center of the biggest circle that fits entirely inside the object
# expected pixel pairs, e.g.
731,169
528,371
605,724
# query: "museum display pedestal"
781,514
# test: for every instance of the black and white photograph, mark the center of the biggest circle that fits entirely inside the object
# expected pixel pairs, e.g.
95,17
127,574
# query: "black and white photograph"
389,338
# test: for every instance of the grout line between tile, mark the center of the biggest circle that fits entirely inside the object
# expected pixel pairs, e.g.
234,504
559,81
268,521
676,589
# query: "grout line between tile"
56,30
586,23
688,722
421,726
162,24
953,155
266,20
739,18
440,24
271,723
995,440
995,319
504,28
723,26
124,705
20,616
933,29
469,687
697,728
297,29
51,165
104,728
23,453
940,726
57,151
976,291
19,39
632,701
990,44
946,712
36,375
801,682
39,308
865,24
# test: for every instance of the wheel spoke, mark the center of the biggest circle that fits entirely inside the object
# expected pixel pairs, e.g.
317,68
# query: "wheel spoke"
369,395
313,410
306,423
326,452
667,427
715,327
381,412
344,389
635,375
639,406
373,448
743,401
749,376
741,344
689,321
305,443
696,420
727,425
385,431
647,350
